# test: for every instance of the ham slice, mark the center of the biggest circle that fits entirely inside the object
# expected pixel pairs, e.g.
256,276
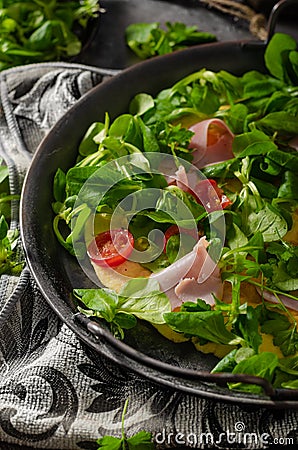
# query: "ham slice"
218,149
287,302
193,276
294,143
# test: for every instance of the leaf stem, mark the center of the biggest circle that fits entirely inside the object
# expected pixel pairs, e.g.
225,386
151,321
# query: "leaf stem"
123,419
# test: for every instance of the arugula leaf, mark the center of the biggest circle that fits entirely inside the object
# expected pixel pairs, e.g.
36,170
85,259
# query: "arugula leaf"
283,331
283,266
247,326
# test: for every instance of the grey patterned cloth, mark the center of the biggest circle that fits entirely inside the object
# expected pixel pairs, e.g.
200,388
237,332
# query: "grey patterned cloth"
56,393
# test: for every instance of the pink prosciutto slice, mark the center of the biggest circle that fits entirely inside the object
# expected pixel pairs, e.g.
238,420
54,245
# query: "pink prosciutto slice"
294,143
193,276
212,142
286,301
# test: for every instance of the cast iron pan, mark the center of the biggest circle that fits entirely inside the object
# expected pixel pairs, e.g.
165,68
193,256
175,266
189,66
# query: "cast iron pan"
57,273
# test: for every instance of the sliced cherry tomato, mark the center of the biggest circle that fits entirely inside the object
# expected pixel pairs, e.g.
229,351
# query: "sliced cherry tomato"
174,229
111,247
171,231
210,195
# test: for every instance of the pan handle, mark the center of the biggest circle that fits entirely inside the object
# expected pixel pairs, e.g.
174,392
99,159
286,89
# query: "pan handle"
274,15
220,379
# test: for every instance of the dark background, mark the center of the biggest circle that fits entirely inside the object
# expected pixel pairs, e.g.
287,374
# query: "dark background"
107,48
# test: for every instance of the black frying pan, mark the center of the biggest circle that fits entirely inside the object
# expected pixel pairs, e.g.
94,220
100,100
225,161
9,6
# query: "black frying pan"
57,273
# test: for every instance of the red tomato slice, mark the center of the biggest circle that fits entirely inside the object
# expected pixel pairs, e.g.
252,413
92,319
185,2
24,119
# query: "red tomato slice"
207,188
111,247
174,229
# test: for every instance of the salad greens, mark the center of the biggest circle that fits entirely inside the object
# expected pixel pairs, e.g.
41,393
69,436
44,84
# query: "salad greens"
11,262
35,31
140,441
149,39
260,251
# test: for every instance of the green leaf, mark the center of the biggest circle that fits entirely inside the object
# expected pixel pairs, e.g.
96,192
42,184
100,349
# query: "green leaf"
282,279
269,222
226,364
290,384
179,246
284,333
293,58
59,186
158,264
207,325
3,171
41,39
258,148
102,301
3,228
200,305
139,287
282,122
253,140
276,54
110,443
140,104
262,365
236,117
150,141
205,99
151,306
149,39
76,178
88,145
125,320
288,161
262,88
247,326
289,365
141,441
